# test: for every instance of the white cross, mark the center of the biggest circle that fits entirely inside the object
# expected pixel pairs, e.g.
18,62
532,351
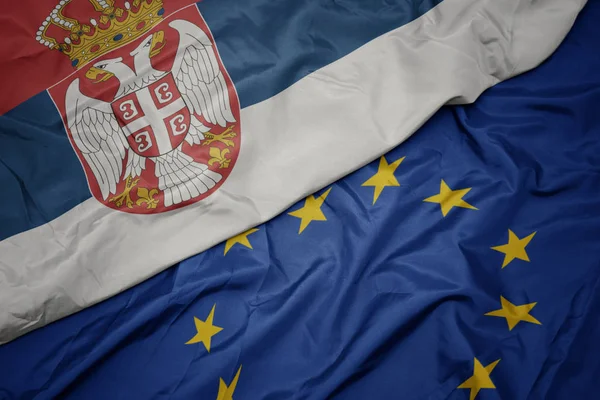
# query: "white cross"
154,117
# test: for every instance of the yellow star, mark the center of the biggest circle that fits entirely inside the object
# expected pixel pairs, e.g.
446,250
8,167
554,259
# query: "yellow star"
226,392
242,239
514,314
384,177
311,210
448,198
480,379
205,330
515,248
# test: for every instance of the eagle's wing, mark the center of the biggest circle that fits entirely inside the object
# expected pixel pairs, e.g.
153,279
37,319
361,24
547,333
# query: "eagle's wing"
181,178
97,135
198,76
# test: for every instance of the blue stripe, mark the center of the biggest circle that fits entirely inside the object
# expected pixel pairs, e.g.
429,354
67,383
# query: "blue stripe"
40,175
268,45
265,45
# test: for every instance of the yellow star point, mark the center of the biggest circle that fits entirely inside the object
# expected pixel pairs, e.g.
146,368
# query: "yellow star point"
242,239
448,198
226,392
311,211
514,314
205,330
515,248
384,177
480,378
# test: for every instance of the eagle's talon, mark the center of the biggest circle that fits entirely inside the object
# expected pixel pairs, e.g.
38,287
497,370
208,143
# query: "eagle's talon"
223,137
124,196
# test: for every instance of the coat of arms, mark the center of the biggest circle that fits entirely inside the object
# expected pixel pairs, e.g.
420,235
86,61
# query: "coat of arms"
150,110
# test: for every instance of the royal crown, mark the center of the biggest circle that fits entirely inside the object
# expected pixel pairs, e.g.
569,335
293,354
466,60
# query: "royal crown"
113,28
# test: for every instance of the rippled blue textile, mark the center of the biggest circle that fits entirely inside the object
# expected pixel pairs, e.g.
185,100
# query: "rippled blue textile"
385,300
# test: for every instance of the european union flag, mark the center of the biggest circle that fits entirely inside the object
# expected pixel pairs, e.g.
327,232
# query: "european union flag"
461,265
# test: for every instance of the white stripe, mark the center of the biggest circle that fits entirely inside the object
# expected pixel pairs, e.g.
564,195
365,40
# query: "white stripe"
330,123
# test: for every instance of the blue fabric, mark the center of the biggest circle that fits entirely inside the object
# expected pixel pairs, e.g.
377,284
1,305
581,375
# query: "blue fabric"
266,46
385,300
40,174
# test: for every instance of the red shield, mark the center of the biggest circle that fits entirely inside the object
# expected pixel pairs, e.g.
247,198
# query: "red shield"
145,144
154,119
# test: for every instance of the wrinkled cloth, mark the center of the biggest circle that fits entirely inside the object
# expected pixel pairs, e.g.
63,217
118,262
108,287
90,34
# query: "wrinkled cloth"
325,125
385,298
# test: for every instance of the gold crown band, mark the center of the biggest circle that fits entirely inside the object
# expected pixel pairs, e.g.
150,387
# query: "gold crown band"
115,28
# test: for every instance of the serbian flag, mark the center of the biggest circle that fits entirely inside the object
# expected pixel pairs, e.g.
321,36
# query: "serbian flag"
137,133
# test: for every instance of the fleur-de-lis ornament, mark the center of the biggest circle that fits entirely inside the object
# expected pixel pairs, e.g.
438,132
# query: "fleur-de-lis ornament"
147,197
219,156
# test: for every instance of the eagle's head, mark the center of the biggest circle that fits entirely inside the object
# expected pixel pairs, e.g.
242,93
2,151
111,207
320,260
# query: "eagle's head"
150,46
105,69
130,79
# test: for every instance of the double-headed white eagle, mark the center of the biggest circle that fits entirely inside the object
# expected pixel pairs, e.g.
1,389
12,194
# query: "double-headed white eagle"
97,133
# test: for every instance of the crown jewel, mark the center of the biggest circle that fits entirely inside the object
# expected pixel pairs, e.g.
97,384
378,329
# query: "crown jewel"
113,27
